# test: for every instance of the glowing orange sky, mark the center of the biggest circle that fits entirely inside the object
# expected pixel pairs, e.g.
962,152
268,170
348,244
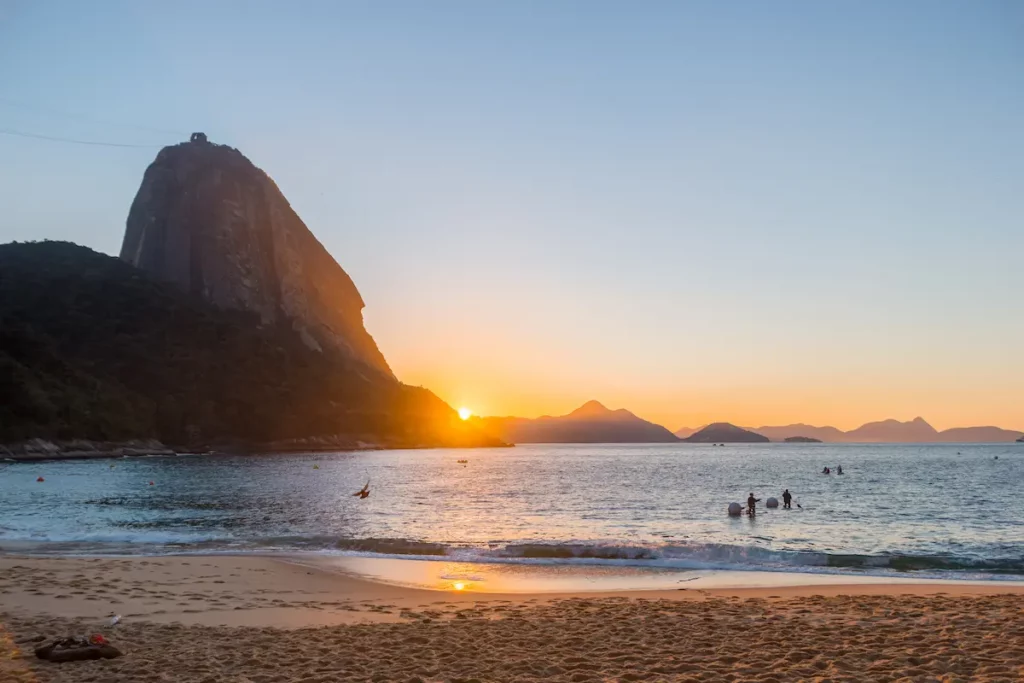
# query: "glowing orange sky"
528,388
767,214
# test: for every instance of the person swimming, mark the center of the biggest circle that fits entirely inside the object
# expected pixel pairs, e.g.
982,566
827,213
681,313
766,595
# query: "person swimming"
839,469
826,471
752,504
787,499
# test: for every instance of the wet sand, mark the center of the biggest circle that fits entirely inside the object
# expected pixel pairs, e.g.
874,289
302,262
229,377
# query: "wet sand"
239,619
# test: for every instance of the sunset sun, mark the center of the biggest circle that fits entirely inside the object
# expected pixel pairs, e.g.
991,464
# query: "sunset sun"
465,413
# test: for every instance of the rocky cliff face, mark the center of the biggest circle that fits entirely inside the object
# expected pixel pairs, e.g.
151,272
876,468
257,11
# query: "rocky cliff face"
208,220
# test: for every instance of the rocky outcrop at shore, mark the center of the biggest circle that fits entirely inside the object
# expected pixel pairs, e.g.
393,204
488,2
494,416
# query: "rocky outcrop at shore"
77,449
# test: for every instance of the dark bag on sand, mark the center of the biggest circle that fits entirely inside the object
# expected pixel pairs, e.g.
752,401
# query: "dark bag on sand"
75,650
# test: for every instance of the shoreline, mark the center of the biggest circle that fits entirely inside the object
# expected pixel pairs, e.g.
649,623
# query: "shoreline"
42,450
385,561
229,619
45,450
261,589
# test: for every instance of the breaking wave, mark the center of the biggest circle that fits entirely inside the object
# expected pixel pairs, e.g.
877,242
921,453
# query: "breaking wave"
680,556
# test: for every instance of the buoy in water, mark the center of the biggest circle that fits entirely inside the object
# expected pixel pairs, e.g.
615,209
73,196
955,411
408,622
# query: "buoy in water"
772,503
735,509
151,483
40,479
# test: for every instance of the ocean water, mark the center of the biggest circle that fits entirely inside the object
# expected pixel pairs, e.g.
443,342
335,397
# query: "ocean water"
951,511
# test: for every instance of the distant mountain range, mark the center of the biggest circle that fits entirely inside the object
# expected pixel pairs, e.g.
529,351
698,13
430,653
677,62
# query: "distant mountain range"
893,431
590,423
594,423
783,433
884,431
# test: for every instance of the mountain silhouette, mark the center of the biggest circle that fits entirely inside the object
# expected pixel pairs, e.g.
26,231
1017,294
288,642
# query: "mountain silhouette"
595,410
92,348
886,431
977,435
783,433
684,432
592,422
723,432
207,220
893,431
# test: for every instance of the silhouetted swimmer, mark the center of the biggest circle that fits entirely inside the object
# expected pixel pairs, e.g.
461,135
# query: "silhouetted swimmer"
787,499
826,471
839,470
752,504
363,492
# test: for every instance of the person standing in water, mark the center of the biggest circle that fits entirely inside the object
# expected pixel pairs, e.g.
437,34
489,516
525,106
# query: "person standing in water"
787,499
752,504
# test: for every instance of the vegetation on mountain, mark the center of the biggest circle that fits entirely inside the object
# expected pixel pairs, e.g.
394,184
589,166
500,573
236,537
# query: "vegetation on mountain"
92,348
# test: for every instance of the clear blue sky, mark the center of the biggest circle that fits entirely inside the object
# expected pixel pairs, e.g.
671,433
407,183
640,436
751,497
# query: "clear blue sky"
750,211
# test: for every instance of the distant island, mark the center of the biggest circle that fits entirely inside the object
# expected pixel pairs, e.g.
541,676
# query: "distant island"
723,432
590,423
801,439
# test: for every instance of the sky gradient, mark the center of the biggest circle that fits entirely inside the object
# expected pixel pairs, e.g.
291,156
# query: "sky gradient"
755,212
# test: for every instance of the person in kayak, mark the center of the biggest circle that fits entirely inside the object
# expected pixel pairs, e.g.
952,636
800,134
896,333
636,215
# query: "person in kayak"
787,499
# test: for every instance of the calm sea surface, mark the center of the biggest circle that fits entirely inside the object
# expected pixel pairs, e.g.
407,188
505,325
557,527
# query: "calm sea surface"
947,510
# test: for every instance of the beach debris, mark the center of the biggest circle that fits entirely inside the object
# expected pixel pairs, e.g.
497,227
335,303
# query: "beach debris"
78,649
772,502
114,620
363,492
735,509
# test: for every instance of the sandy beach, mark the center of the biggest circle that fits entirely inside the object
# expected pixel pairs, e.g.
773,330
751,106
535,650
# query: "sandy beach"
244,619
